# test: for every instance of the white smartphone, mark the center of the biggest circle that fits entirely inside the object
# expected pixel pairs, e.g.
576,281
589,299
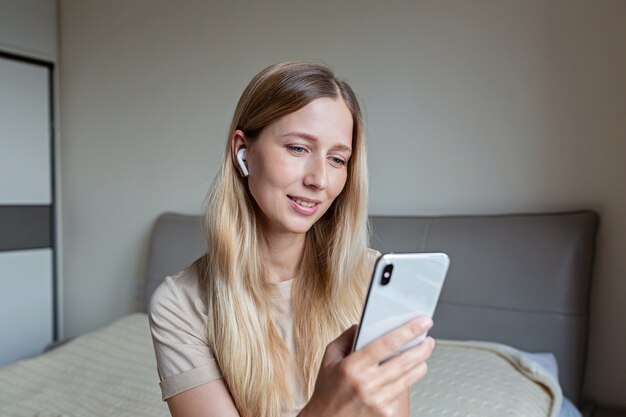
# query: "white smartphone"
403,287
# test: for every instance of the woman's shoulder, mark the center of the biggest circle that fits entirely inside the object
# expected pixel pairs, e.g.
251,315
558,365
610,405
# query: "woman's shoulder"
371,257
180,291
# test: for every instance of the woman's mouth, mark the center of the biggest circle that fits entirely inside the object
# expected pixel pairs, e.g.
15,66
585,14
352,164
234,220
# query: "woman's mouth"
306,207
303,203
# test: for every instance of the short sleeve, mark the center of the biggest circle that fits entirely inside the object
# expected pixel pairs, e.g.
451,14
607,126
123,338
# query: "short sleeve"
373,256
178,327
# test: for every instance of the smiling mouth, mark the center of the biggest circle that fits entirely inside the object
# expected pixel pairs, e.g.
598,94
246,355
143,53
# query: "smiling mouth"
307,204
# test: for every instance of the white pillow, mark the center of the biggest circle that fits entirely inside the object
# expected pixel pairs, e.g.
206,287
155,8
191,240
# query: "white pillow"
545,359
568,409
549,362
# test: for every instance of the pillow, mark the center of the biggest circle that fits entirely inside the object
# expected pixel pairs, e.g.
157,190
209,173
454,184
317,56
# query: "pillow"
545,359
549,362
568,409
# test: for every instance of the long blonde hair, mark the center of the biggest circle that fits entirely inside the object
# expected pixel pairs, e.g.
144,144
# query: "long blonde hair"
329,290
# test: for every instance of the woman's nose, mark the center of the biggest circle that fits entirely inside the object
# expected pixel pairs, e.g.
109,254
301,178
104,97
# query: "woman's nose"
315,175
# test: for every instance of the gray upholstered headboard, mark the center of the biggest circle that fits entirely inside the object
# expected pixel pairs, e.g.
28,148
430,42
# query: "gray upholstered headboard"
522,280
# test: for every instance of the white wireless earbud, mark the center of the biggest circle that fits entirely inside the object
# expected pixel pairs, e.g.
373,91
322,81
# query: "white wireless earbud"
244,169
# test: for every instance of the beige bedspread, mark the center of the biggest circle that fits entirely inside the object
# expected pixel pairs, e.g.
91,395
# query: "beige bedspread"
479,379
112,372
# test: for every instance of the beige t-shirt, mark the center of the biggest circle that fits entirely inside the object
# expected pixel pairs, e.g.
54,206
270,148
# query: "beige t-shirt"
178,320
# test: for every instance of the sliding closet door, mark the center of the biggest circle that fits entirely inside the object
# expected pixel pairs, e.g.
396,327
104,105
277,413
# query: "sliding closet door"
26,209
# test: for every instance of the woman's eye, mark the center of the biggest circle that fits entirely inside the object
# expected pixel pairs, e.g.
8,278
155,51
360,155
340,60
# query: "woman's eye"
297,149
337,161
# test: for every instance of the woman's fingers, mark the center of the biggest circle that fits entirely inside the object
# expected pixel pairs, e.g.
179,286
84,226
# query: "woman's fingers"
389,380
397,387
396,368
358,382
391,342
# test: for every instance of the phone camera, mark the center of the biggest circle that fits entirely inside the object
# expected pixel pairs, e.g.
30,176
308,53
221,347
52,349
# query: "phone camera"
386,274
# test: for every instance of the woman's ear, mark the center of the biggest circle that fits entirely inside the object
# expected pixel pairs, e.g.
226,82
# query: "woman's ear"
238,143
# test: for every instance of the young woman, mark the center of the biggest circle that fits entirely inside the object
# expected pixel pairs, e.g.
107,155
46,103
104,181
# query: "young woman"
257,326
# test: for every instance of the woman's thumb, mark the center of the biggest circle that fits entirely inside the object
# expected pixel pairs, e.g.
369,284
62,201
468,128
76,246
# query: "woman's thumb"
341,346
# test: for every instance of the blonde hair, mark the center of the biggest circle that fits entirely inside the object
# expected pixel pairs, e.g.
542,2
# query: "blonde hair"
329,290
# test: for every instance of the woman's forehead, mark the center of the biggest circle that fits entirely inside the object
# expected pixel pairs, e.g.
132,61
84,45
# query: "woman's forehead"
324,119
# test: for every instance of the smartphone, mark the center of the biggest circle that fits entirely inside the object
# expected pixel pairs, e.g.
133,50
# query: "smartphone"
403,287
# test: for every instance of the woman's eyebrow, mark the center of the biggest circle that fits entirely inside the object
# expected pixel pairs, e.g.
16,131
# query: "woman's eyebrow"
304,135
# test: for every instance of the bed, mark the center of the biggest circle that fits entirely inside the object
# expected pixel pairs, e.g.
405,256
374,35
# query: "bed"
511,325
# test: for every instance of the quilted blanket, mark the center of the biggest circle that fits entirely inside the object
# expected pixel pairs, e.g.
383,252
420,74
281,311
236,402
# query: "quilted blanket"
106,373
112,372
480,379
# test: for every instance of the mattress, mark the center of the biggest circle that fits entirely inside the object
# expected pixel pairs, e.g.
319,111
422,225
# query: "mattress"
112,372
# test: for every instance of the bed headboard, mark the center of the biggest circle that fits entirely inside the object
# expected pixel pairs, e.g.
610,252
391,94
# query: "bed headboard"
522,280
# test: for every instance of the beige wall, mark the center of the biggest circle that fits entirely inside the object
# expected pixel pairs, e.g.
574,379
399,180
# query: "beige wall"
472,107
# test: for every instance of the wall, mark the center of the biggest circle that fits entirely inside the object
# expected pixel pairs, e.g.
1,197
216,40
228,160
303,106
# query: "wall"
471,107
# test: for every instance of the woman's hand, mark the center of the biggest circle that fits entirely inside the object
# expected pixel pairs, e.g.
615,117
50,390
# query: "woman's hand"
358,384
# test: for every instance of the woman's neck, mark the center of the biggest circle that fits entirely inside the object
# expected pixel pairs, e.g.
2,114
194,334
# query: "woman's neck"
283,252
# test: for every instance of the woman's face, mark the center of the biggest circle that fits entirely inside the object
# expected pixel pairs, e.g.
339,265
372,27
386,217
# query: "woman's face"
298,165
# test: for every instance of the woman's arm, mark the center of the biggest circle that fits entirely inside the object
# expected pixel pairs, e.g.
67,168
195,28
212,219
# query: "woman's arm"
348,384
207,400
213,399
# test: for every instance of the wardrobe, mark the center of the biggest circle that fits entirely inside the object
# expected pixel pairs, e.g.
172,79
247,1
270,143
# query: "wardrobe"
28,278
